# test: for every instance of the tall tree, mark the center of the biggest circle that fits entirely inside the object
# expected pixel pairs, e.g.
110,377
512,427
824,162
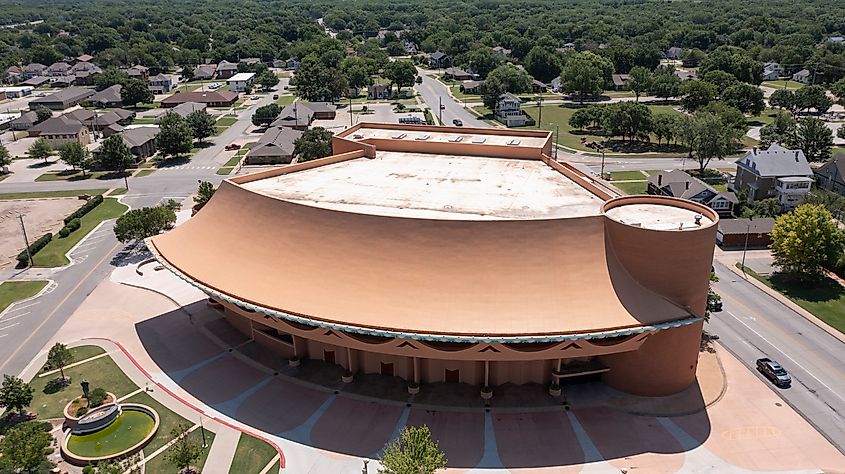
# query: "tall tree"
314,143
5,158
205,191
114,154
482,61
265,114
109,77
697,94
745,97
542,63
714,139
780,130
42,113
315,81
201,123
583,74
640,81
139,224
136,91
175,135
505,78
76,156
721,79
24,449
806,240
40,149
413,452
665,85
402,73
15,394
838,91
266,79
58,357
784,99
813,97
814,138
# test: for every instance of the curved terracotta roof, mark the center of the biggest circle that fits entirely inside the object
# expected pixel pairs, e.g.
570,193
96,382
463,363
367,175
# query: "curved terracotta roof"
412,275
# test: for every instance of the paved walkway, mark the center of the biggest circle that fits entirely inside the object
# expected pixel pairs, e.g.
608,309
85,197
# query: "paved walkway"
319,430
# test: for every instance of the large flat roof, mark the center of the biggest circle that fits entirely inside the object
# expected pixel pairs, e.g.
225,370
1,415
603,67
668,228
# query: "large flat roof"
436,186
453,135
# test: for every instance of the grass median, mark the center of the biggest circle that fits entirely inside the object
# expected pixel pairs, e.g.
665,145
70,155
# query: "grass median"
14,291
54,253
51,194
251,456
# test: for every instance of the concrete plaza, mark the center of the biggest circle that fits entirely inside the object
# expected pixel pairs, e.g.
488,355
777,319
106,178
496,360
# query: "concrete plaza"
199,366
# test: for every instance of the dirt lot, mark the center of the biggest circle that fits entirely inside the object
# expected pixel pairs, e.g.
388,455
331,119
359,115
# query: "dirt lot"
40,216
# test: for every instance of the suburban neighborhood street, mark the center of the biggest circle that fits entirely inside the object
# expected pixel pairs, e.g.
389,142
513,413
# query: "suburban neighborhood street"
434,93
754,325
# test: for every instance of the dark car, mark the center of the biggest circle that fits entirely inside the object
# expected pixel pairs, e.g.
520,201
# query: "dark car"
774,372
457,123
232,146
714,306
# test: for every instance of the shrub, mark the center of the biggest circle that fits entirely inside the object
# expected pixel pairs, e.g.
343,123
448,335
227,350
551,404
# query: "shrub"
85,209
34,247
97,397
81,411
70,227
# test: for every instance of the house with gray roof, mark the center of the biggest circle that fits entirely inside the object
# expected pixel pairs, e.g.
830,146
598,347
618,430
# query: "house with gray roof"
108,97
509,111
438,60
225,69
60,68
774,173
185,109
831,175
60,130
204,72
803,76
63,99
26,121
36,81
34,69
275,146
679,184
140,140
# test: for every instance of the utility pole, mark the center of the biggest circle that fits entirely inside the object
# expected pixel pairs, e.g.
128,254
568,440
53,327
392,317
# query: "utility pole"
540,110
440,110
26,240
602,163
350,111
557,138
745,247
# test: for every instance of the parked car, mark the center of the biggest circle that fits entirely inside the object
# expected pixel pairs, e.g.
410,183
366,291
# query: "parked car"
457,123
255,97
714,306
232,146
774,372
275,96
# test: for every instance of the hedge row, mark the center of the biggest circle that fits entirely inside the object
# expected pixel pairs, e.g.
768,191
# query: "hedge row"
34,247
70,227
85,209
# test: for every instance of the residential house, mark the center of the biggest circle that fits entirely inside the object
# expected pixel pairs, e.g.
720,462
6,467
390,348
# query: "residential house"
679,184
772,71
60,130
803,76
225,69
162,83
620,81
241,81
471,87
15,92
278,64
100,121
138,72
184,109
85,58
24,122
836,39
568,46
509,111
209,98
81,67
36,81
831,175
673,53
86,78
502,52
292,64
250,61
762,174
141,141
13,75
686,75
299,115
750,232
379,91
321,110
353,91
108,97
205,72
63,99
60,68
410,47
457,74
439,60
275,146
62,81
34,69
538,87
556,84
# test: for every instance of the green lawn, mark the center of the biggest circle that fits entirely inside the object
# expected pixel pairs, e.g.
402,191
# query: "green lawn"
251,456
126,431
766,117
781,84
636,187
73,175
284,100
456,91
101,373
53,254
144,121
144,172
12,291
627,175
825,299
223,123
233,161
51,194
721,187
225,170
554,115
159,464
117,192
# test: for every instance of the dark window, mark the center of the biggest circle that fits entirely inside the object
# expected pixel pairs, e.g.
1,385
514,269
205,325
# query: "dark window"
328,356
453,376
387,368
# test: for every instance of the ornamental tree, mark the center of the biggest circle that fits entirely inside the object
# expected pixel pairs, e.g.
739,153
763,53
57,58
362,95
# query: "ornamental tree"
640,81
5,157
76,156
401,73
413,452
24,448
201,124
15,394
58,357
136,91
205,191
806,240
174,136
265,114
139,224
184,451
40,149
314,143
114,154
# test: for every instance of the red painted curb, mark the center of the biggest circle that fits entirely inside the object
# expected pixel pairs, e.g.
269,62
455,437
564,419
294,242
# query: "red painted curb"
186,403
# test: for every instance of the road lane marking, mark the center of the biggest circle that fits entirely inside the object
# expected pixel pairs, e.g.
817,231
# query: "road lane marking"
9,326
63,301
18,308
5,320
787,356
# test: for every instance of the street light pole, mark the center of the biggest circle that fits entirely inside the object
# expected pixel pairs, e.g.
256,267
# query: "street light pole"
26,240
440,110
602,163
745,247
202,429
557,138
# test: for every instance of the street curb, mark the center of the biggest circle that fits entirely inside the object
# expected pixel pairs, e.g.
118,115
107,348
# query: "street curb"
789,304
49,286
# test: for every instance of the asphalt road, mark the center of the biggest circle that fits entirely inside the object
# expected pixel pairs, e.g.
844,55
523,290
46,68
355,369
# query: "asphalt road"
754,325
434,91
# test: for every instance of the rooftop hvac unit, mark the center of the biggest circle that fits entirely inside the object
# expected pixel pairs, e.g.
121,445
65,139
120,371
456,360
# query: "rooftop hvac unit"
513,142
423,137
399,136
456,139
479,140
358,136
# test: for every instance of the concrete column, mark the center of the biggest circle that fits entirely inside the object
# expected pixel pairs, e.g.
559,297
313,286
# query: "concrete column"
486,373
557,368
416,370
351,362
300,346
